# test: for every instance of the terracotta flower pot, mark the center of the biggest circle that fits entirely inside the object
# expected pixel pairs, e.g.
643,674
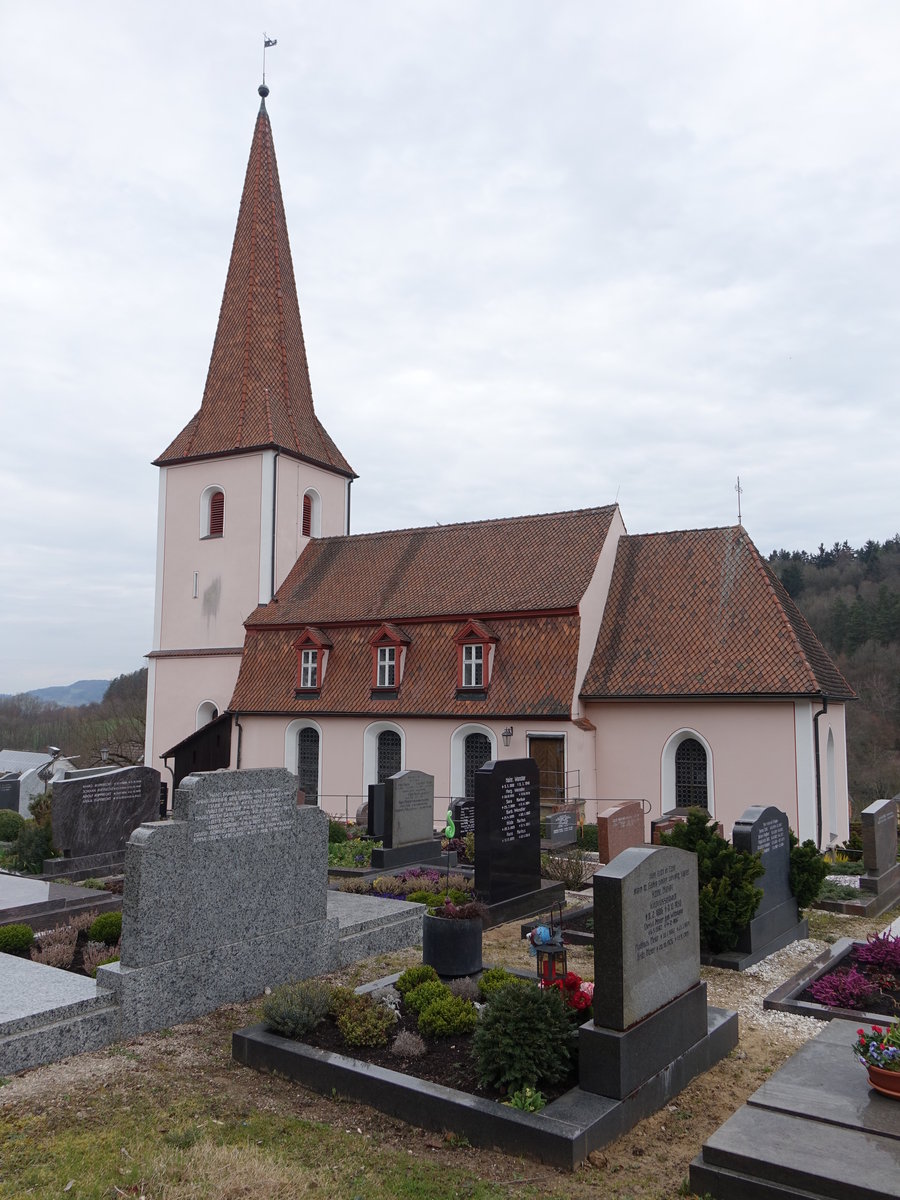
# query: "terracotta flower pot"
452,947
886,1082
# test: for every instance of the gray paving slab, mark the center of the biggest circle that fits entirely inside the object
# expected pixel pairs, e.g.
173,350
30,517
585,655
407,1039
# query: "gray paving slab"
356,913
31,992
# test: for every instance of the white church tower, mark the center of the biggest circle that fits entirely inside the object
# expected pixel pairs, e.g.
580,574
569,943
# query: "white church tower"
248,480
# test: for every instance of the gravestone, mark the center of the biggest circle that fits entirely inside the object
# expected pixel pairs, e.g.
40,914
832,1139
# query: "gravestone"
408,835
226,898
618,827
879,837
508,840
562,826
93,817
375,811
9,793
765,831
649,1014
666,823
463,814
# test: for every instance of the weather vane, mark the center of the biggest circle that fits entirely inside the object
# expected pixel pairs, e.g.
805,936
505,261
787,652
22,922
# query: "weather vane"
739,490
267,42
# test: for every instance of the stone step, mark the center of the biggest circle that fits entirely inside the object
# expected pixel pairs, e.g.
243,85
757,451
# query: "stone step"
90,1026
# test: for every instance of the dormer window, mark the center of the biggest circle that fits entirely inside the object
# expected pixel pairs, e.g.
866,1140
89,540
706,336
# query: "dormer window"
476,646
312,647
389,646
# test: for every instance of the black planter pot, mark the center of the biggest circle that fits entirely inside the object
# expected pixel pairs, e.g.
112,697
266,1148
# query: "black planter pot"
451,947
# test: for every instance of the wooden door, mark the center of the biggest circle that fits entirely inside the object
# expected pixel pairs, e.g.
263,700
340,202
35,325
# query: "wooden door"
550,755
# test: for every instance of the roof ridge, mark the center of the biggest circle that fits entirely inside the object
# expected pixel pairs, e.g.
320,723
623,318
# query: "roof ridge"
377,533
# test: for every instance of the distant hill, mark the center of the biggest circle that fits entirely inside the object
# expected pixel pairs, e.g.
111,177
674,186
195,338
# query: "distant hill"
73,695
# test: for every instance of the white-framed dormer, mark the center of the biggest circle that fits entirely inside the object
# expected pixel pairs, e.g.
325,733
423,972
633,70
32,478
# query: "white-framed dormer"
686,771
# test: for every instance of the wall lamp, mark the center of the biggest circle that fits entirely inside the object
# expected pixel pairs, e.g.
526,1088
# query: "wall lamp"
507,735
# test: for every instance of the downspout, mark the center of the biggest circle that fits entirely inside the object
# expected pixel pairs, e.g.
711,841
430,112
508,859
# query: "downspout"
240,733
822,710
349,485
274,513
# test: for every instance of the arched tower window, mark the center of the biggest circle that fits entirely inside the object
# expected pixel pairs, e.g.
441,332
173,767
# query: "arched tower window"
212,512
311,520
389,757
308,763
477,752
207,711
690,774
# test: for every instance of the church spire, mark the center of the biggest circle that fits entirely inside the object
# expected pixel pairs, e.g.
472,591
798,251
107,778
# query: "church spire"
257,392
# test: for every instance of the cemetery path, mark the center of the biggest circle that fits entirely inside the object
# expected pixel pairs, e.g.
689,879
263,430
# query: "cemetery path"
185,1088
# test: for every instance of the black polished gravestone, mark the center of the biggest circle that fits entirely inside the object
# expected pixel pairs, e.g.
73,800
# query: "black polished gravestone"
463,814
375,813
93,817
508,841
408,834
765,831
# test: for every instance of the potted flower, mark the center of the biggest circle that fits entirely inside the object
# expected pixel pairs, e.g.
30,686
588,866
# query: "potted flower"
578,995
879,1052
451,937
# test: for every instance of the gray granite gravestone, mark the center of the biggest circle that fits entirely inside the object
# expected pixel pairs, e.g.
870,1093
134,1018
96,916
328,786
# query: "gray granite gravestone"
508,840
223,900
765,831
618,827
879,837
562,826
649,1003
93,817
408,822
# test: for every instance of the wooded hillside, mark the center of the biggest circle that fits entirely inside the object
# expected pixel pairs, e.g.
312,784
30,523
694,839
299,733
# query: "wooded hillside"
851,598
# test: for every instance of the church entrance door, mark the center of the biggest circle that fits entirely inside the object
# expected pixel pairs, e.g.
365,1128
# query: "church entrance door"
549,752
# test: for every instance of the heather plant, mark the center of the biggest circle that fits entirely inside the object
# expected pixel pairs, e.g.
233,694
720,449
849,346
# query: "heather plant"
363,1022
446,1015
294,1009
360,887
807,871
15,939
882,950
106,928
465,987
408,1045
420,997
725,877
525,1038
98,954
844,988
59,954
413,976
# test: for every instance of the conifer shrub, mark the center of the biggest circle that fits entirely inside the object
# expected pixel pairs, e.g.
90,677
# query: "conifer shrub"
837,891
807,871
446,1015
525,1038
294,1009
420,997
33,845
725,877
15,939
337,832
106,928
413,976
587,838
41,808
10,824
364,1022
495,978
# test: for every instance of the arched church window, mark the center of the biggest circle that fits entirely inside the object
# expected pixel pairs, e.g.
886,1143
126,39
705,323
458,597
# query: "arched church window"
690,774
216,514
477,753
388,754
307,515
311,519
308,763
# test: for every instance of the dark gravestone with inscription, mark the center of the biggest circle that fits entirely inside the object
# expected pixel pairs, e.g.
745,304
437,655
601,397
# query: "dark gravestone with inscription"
765,831
650,1014
463,814
618,827
93,817
226,898
375,813
879,837
408,822
9,793
508,840
562,826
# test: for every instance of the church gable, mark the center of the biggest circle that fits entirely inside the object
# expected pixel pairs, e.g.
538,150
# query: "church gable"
697,613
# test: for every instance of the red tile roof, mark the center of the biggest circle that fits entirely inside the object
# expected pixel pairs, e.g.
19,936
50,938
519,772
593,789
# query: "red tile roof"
257,391
698,613
533,672
514,565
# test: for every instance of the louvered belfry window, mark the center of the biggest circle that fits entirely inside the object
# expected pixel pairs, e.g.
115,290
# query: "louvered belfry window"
690,774
307,516
308,763
388,754
216,514
477,753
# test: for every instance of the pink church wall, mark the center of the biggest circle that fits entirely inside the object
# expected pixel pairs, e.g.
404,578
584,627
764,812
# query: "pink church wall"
294,479
176,688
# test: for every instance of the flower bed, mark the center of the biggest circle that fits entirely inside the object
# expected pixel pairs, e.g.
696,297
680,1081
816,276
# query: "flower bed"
850,979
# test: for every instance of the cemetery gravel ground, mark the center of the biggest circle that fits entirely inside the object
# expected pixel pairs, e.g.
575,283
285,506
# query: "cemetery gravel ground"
169,1116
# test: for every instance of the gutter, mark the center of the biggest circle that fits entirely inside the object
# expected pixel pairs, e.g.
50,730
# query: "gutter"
274,518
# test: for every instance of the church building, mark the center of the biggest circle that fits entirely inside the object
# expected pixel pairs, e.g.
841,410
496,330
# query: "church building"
671,668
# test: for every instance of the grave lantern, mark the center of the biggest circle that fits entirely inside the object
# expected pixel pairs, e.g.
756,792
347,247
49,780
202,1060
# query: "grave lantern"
547,944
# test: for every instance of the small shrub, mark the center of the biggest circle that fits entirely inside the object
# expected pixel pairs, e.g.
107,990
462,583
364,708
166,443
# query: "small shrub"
360,887
413,976
420,997
881,950
81,922
408,1045
54,954
495,978
97,954
837,891
841,867
846,988
340,996
447,1015
525,1038
527,1099
33,845
40,808
337,832
15,939
569,865
352,853
106,928
362,1022
294,1009
807,871
10,824
465,987
420,897
587,838
470,848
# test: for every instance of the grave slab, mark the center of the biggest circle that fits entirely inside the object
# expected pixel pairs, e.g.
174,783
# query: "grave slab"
42,904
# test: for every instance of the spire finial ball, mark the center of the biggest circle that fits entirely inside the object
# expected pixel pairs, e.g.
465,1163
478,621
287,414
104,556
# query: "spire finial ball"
263,90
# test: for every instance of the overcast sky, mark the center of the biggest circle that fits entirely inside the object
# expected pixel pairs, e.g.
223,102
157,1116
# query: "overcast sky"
548,255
